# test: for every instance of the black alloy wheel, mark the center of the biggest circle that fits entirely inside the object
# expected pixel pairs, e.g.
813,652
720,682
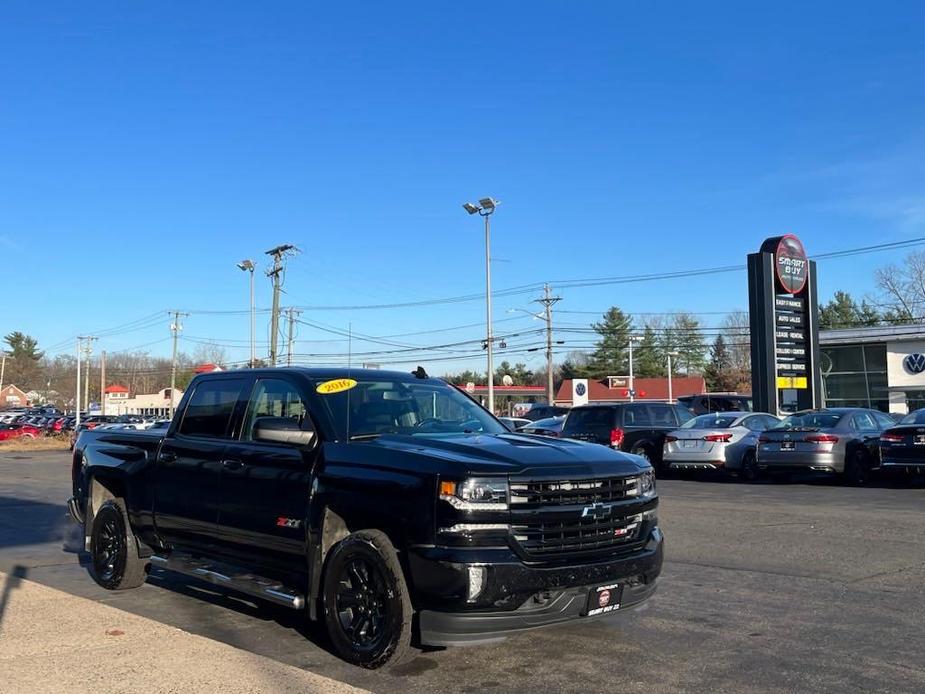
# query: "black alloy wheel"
367,607
360,599
114,560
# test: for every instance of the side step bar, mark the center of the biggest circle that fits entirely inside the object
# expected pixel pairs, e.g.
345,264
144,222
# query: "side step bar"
231,577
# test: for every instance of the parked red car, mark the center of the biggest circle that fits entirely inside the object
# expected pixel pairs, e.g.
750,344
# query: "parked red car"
15,431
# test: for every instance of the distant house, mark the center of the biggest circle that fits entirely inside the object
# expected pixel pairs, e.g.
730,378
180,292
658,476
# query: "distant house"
616,389
11,397
207,368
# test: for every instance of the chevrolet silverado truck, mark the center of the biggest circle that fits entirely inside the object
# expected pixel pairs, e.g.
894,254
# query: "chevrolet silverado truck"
389,505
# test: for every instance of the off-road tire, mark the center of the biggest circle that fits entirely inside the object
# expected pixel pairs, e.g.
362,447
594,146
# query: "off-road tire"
114,560
365,590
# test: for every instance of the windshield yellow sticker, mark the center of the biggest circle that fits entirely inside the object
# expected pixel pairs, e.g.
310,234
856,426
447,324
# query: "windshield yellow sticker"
338,385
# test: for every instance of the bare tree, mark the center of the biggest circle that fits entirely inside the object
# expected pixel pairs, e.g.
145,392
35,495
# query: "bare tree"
903,288
736,332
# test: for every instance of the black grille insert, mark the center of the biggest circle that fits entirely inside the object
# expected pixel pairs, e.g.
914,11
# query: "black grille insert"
536,493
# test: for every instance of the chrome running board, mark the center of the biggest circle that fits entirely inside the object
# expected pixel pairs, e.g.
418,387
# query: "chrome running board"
231,577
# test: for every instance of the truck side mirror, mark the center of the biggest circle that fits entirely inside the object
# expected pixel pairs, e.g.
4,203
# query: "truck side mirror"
284,430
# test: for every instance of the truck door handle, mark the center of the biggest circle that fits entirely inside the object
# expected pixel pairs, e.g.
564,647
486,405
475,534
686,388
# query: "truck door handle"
232,464
167,457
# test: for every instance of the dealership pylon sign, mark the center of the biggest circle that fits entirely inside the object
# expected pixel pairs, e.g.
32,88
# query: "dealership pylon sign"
784,320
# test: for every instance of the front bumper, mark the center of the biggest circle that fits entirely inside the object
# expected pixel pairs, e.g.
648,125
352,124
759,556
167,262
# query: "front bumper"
516,596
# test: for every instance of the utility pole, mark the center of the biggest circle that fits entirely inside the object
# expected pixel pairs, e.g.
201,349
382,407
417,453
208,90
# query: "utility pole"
77,395
103,382
88,350
548,301
175,328
276,277
2,369
292,313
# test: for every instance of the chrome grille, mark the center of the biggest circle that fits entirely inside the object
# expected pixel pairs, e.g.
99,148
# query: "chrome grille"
578,534
565,492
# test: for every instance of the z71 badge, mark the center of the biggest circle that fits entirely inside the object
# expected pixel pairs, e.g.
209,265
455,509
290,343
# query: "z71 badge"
282,522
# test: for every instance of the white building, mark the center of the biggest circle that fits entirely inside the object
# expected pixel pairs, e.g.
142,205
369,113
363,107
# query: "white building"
881,367
150,404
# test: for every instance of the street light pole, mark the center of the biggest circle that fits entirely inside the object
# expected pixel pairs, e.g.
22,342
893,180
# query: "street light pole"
485,208
670,393
633,338
248,266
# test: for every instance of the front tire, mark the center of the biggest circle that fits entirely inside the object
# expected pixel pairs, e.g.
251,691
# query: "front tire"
114,560
367,608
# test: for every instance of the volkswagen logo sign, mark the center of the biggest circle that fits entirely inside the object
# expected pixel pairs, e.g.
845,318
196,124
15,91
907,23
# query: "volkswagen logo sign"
580,388
914,363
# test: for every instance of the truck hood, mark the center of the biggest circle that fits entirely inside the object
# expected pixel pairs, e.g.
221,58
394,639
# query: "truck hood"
517,454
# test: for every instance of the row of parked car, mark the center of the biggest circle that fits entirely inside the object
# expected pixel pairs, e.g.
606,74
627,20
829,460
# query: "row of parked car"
29,424
850,443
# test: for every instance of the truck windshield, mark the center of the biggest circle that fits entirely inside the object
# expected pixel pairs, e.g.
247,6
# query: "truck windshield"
385,406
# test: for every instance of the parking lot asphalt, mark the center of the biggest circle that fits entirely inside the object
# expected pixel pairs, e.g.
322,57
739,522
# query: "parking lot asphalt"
796,586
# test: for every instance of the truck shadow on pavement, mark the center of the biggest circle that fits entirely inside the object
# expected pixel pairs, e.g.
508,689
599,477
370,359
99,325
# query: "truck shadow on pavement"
27,522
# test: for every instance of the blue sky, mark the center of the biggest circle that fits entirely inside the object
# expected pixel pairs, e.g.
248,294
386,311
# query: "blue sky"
145,148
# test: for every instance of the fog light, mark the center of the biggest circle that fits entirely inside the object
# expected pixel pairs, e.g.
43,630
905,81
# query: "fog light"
477,576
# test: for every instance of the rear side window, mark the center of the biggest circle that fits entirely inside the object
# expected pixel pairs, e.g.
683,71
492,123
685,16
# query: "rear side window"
588,417
637,416
684,414
883,420
209,410
663,416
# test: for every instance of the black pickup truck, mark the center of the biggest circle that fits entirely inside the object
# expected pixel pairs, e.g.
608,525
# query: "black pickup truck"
390,505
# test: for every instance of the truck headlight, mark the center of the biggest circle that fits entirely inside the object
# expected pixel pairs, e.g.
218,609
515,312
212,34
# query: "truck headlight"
645,485
476,494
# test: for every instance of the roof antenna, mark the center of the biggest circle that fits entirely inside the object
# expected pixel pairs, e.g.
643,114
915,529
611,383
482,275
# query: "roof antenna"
420,373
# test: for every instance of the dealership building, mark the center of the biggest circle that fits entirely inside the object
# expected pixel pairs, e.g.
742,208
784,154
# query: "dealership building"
881,367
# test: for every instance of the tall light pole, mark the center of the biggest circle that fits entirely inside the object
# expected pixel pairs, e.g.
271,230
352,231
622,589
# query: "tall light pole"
633,338
485,208
248,266
2,368
670,394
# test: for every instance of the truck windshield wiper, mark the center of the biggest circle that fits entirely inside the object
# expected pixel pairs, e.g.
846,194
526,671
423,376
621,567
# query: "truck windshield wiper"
364,437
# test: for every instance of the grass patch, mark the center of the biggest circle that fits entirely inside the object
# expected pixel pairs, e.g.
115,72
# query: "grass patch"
42,443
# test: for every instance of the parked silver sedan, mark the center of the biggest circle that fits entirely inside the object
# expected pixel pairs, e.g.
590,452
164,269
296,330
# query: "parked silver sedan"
718,441
837,440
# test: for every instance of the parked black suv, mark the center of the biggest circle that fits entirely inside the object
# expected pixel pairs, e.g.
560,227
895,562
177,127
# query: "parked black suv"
637,427
543,411
381,503
706,403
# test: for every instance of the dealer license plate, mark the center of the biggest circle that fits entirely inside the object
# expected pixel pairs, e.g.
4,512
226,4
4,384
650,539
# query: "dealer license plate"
604,599
787,445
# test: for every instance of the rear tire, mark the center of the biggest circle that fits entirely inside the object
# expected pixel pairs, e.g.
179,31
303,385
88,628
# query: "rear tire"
367,608
114,560
857,470
750,471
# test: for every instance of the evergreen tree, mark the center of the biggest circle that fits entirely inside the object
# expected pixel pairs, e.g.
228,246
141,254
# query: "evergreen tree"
649,359
611,356
718,371
22,364
685,337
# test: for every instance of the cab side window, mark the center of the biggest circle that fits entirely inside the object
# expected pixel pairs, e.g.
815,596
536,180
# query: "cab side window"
273,398
208,412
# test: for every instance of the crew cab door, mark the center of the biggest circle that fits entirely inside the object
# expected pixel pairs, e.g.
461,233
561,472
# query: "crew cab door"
265,486
189,463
